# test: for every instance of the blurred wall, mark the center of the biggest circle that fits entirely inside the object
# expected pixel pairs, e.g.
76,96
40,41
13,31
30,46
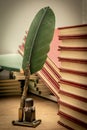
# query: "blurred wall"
17,15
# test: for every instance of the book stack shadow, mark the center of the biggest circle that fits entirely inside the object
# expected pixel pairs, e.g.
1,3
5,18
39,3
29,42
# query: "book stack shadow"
73,81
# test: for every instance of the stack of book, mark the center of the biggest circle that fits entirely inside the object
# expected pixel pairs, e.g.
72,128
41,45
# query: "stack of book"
21,76
50,76
73,81
10,87
17,75
43,88
40,89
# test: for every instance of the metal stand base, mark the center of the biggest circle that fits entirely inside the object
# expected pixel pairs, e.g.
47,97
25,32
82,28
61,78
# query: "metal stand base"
27,124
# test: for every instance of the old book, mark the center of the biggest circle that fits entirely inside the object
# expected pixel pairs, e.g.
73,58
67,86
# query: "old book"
74,76
53,67
73,30
48,82
21,76
41,86
34,77
73,100
11,87
32,88
68,48
43,89
72,107
17,75
74,112
49,70
35,92
83,61
73,41
50,76
72,64
73,88
9,83
8,86
9,91
10,94
74,54
70,123
32,83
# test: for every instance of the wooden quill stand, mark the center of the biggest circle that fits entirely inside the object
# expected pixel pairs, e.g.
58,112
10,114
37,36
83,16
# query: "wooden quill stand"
26,112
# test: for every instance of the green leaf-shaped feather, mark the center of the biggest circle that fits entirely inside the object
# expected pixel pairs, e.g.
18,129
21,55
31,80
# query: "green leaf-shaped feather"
38,39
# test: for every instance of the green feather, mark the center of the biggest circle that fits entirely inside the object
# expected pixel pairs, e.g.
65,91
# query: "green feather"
38,39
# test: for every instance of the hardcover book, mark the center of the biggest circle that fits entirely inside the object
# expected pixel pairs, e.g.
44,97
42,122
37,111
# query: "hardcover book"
73,30
73,71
